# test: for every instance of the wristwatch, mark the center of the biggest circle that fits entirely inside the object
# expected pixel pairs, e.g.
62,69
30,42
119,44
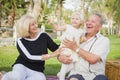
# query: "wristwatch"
77,50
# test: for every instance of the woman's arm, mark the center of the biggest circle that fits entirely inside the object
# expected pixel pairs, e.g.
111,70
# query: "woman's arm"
25,53
51,55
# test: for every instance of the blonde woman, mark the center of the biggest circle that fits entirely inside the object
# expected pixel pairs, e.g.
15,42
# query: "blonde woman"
32,46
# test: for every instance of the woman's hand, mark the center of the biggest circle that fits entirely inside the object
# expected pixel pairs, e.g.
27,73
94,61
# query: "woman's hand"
45,57
54,54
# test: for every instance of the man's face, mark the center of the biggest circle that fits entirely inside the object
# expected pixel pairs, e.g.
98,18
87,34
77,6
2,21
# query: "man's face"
93,25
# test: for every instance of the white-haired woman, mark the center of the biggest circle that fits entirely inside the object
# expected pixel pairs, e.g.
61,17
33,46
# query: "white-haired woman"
32,46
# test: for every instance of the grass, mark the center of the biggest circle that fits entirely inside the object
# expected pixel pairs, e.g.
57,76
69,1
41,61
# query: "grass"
114,47
8,54
7,57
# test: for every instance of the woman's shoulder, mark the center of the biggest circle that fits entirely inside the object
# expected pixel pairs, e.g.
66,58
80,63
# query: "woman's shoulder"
43,34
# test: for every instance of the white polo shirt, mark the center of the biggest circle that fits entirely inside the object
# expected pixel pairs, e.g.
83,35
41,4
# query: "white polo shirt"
98,45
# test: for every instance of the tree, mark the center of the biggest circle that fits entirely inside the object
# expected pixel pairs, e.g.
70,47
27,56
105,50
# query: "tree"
85,7
59,14
0,12
113,7
12,14
10,9
34,8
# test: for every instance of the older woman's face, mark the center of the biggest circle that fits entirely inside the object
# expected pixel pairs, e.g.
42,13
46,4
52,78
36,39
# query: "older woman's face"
33,28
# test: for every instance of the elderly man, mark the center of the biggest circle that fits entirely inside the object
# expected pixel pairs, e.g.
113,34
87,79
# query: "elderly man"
92,53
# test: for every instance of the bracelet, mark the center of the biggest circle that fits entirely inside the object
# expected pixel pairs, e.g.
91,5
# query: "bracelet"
48,55
77,50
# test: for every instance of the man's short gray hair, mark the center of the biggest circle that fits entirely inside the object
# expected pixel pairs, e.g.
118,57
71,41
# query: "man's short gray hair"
102,21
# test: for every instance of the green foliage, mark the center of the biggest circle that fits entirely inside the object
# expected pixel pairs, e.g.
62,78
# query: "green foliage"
48,28
44,22
45,18
104,31
113,6
20,7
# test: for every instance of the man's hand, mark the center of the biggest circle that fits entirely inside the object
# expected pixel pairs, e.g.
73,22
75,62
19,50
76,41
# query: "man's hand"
70,44
64,59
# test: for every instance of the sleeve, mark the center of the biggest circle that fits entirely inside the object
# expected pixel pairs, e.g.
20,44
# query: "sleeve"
102,48
52,46
24,52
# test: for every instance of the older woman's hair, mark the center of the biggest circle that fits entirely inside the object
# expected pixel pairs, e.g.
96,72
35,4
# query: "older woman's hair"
22,26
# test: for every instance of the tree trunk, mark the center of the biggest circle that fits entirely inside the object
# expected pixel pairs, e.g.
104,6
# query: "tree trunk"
59,15
11,16
36,8
118,30
0,12
108,30
110,26
85,8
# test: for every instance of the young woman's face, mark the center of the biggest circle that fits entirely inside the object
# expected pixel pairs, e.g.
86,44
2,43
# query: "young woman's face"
33,27
75,20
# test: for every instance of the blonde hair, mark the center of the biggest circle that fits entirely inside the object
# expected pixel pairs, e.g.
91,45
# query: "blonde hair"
22,26
81,16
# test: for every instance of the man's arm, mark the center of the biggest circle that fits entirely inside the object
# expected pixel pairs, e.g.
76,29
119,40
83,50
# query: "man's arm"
91,58
64,58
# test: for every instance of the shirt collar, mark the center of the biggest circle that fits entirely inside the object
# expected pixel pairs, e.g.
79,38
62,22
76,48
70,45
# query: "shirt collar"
34,38
96,36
